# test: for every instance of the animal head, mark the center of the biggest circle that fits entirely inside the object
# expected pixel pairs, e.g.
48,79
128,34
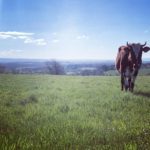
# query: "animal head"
136,50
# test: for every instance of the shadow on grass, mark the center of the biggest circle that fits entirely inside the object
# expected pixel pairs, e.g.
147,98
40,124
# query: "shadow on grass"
142,93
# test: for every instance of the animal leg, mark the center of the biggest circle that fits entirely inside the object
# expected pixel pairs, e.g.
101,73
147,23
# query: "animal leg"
122,82
129,80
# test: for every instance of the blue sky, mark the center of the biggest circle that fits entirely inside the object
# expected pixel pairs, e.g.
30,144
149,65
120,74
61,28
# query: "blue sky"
71,29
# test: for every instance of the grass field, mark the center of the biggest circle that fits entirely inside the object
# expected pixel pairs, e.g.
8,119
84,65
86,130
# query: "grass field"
64,112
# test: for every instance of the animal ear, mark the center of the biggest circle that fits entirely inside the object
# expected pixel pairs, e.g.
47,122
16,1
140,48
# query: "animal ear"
119,49
146,49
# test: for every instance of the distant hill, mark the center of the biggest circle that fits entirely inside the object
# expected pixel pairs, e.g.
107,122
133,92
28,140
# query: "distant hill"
68,67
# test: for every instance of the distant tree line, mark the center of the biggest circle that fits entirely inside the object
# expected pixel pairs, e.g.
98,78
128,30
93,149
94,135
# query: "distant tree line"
50,67
89,69
2,68
54,67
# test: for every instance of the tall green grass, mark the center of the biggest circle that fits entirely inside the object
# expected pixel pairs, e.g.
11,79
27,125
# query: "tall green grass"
64,112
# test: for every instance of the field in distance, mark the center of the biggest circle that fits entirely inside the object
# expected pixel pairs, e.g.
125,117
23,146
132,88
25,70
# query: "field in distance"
73,112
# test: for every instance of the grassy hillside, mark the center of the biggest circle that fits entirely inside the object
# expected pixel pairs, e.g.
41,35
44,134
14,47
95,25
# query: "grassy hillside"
142,72
60,112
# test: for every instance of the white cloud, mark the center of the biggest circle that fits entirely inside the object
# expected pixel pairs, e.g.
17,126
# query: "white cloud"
40,42
14,34
54,33
5,36
55,41
23,37
10,52
26,36
80,37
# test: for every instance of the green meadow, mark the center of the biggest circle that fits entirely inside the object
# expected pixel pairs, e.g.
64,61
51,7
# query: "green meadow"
43,112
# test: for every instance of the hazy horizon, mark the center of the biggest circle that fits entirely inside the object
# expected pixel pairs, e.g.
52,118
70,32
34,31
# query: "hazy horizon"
71,29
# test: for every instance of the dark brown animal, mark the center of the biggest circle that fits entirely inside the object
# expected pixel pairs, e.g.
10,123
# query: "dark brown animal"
128,63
